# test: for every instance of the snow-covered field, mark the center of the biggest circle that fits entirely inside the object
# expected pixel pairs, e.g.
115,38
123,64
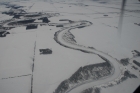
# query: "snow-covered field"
89,37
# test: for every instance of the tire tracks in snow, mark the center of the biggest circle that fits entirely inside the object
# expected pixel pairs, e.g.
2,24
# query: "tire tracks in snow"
33,66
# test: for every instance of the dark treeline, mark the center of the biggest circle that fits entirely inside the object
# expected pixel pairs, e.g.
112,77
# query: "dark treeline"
89,72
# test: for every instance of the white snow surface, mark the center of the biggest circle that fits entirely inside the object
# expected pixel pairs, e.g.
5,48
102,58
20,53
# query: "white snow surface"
21,46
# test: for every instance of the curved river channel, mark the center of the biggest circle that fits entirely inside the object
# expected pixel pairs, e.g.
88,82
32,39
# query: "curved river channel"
66,39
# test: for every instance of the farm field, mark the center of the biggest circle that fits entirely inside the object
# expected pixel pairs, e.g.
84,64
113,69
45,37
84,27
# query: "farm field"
69,46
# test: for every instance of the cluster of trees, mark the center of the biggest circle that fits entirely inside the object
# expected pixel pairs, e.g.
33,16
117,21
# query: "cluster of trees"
136,62
127,75
138,53
17,16
88,90
69,38
45,51
8,13
35,15
31,27
13,12
92,90
44,19
22,22
83,74
137,24
94,71
3,33
124,61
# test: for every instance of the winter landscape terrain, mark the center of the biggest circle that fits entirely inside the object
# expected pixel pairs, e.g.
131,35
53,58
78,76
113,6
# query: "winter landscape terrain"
69,46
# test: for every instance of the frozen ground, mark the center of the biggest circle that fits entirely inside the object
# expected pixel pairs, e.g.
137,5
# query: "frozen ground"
24,70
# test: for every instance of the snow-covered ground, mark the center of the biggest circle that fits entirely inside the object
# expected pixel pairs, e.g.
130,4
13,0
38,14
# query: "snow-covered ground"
24,70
